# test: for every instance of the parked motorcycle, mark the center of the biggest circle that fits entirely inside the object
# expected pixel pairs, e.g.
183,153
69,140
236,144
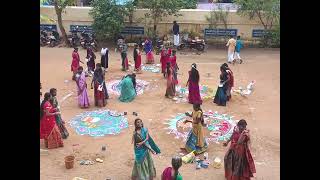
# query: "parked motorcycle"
88,39
43,38
54,39
74,39
197,44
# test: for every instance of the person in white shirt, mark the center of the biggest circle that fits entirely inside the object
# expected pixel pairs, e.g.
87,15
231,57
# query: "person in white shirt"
231,47
104,58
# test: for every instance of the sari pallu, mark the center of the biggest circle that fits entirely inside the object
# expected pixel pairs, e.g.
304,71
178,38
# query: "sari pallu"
83,99
144,168
173,61
230,84
238,161
163,61
49,130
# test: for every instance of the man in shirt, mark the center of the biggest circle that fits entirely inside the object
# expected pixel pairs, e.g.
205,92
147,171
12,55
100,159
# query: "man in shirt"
231,47
175,30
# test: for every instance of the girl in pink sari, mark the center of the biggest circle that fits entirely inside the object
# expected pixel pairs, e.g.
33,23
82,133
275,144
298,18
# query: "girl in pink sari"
172,173
171,86
193,86
83,99
163,60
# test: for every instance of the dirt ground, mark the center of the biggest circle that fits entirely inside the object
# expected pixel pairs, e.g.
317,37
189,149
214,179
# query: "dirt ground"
261,110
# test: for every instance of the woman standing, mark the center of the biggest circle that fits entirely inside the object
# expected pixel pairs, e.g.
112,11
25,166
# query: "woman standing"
143,143
171,87
48,127
238,162
221,95
124,58
174,65
230,82
148,50
60,123
75,62
137,58
91,60
105,58
163,60
100,90
172,173
83,99
128,88
193,86
196,141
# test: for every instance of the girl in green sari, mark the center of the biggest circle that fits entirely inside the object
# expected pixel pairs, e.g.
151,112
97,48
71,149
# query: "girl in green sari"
143,168
128,88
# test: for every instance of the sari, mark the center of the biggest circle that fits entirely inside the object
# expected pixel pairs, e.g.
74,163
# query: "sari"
124,62
104,57
48,128
144,168
148,50
196,141
194,91
163,61
128,92
230,84
83,99
75,63
60,123
171,86
91,60
167,174
137,59
221,95
173,61
100,96
238,162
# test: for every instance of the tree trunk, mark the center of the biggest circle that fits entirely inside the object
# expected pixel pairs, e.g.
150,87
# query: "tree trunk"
63,31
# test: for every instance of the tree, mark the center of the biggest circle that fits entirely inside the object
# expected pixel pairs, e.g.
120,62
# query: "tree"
267,11
218,16
44,18
59,6
108,18
189,4
159,9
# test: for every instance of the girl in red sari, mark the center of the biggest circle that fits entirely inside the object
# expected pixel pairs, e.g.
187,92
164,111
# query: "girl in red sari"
75,63
48,127
171,87
137,58
238,162
174,65
163,60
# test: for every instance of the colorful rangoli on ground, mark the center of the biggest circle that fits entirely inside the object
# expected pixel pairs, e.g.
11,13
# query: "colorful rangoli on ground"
151,68
206,93
220,126
99,123
113,86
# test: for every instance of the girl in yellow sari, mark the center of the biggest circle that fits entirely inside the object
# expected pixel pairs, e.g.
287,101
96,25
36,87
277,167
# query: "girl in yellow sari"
196,141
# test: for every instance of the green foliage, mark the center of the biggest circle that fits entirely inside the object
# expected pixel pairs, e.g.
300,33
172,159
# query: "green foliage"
267,11
108,17
159,9
218,16
189,4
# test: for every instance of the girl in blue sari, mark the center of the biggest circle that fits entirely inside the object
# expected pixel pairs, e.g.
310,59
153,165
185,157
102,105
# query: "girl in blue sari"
148,50
128,88
143,168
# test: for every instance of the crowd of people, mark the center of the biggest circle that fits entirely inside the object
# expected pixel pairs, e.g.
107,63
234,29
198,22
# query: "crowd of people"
238,161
